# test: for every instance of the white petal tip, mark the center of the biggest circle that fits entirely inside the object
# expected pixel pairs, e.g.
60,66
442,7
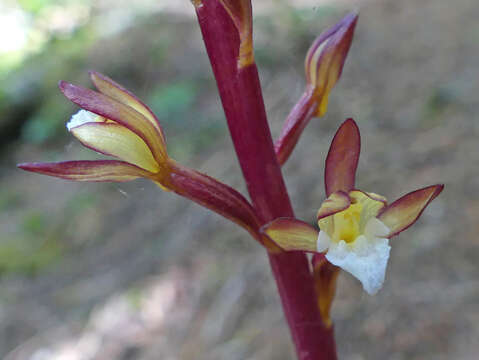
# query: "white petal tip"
365,259
82,117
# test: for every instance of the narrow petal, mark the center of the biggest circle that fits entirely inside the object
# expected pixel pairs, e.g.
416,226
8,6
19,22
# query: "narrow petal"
94,170
371,205
336,202
122,114
342,159
118,141
404,212
365,260
107,86
292,234
240,12
377,197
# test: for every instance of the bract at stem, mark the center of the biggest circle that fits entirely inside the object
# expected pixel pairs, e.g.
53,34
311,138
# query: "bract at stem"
325,278
242,16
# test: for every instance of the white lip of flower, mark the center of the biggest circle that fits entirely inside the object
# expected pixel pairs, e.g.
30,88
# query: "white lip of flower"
365,257
83,117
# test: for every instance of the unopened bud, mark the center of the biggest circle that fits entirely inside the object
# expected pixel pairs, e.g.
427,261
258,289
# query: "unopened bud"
325,59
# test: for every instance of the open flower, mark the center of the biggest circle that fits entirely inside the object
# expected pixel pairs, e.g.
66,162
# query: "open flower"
355,226
115,122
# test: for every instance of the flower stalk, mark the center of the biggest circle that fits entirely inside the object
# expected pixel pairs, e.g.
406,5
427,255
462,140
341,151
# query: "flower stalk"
242,100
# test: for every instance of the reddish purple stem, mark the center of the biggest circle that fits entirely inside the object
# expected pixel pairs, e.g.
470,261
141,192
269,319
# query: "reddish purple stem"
240,92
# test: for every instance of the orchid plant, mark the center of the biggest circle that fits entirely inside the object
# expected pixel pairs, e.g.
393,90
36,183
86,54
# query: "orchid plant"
355,226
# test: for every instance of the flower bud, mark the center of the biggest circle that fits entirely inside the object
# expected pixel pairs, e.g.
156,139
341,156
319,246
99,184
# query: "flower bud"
114,122
325,59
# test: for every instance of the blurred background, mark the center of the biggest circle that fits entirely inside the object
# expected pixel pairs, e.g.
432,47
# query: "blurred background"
125,271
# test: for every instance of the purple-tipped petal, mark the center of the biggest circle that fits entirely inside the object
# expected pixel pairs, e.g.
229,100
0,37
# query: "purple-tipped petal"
342,159
404,212
122,114
371,204
336,202
108,87
88,170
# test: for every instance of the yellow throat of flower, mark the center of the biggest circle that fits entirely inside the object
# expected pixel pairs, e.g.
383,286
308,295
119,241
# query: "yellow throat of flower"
351,223
346,224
